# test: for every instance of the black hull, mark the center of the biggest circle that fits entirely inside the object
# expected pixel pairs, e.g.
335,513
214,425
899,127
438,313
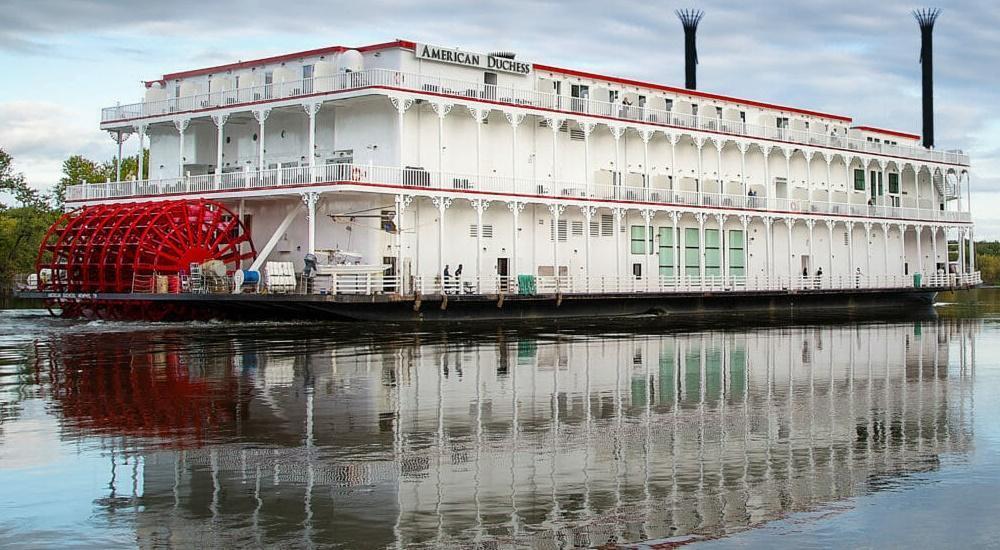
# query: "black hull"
436,308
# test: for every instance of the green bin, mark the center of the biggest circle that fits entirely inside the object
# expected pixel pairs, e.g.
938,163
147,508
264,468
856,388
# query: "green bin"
916,280
526,285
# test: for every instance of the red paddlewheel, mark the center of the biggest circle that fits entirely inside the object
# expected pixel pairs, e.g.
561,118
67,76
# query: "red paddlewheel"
106,248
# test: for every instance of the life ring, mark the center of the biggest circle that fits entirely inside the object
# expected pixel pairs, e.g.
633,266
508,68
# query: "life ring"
357,174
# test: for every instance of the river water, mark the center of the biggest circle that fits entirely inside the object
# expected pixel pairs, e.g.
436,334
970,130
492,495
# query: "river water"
836,430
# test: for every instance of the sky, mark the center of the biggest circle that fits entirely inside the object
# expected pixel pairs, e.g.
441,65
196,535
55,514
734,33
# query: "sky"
62,60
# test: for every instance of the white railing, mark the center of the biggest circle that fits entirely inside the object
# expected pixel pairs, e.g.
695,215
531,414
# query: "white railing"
612,284
368,284
478,91
419,179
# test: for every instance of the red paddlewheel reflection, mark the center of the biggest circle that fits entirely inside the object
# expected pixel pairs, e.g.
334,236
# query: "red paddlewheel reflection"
107,248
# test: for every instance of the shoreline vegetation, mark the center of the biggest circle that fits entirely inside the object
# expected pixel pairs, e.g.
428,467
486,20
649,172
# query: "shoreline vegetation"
26,214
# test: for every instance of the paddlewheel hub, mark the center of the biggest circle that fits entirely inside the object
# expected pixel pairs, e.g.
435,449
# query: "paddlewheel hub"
116,248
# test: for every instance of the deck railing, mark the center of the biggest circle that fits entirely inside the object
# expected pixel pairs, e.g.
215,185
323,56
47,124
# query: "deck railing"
371,284
519,97
398,180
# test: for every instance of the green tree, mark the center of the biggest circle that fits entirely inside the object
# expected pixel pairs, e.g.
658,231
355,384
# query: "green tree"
22,225
79,169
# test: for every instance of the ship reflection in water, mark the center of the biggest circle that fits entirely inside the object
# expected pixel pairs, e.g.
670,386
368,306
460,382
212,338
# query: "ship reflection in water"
285,434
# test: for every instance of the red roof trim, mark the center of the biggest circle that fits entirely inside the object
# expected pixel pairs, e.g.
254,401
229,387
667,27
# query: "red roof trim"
887,132
685,91
282,58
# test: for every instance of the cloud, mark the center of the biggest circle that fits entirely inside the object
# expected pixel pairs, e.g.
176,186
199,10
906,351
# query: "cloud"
40,135
840,56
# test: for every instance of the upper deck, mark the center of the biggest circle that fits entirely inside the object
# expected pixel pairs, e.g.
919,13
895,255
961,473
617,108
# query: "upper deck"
546,90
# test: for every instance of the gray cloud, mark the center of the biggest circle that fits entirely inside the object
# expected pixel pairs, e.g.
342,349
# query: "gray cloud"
848,57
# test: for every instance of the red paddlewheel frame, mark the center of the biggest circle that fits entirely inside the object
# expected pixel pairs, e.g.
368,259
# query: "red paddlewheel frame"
103,248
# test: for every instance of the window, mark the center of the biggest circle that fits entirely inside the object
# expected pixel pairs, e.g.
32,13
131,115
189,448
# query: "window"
782,122
607,225
637,270
487,231
894,184
562,230
307,76
666,252
737,253
718,112
859,180
639,238
713,253
577,228
612,96
691,265
595,228
668,104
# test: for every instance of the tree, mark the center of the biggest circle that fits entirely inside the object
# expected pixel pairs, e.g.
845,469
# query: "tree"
79,169
22,226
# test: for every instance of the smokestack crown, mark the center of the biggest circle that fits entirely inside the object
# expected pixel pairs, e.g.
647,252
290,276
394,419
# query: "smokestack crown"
689,20
926,18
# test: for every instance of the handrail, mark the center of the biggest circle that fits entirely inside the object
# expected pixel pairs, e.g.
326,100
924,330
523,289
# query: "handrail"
419,179
519,97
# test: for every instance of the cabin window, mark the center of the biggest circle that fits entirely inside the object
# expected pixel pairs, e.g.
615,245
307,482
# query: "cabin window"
713,253
666,252
859,180
691,265
307,76
894,184
639,240
737,253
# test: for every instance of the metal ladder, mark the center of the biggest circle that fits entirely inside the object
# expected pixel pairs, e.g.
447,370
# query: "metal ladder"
196,282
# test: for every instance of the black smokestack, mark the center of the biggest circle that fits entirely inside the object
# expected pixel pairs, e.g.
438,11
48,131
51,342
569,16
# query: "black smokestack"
925,18
690,20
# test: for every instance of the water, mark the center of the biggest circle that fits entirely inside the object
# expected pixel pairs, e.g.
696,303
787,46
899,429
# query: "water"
747,431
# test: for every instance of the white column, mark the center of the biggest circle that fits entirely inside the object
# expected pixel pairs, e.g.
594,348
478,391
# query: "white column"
768,187
788,171
310,200
515,120
789,222
934,248
220,125
769,246
743,147
699,142
719,146
723,253
480,205
810,224
616,133
515,209
181,126
885,247
588,215
119,138
556,210
554,125
809,183
141,129
645,136
619,216
402,202
261,116
478,116
902,242
647,245
701,246
829,229
401,104
829,180
674,138
918,229
587,128
868,249
850,247
442,204
442,110
311,110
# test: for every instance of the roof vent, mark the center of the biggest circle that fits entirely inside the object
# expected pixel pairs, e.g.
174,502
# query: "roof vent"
504,55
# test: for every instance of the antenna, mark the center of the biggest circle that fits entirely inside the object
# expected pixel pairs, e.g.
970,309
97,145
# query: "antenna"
926,18
689,20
